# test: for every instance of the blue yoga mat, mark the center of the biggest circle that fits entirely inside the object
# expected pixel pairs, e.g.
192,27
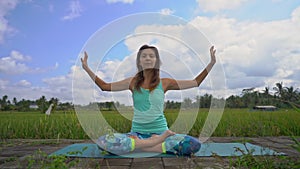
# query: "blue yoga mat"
89,150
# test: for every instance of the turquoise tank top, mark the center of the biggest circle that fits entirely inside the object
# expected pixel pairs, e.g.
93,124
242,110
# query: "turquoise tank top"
148,114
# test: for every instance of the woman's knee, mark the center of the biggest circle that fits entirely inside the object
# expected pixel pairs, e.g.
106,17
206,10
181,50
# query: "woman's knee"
182,144
116,143
194,144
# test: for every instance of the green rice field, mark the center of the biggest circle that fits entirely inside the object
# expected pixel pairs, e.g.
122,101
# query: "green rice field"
65,125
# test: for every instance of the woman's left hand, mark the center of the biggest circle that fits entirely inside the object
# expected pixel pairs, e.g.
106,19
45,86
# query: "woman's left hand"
212,54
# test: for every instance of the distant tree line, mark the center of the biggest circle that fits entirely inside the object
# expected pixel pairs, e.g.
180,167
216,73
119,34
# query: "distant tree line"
109,106
281,98
40,104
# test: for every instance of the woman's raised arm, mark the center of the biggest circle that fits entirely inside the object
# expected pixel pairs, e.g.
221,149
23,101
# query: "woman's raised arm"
172,84
114,86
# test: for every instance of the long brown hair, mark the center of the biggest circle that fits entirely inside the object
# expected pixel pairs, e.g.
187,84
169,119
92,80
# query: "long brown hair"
155,78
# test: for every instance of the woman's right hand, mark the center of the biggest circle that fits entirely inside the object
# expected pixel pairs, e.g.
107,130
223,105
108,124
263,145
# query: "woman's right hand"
84,61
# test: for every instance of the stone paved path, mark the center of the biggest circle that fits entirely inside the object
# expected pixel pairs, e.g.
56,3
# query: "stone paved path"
24,153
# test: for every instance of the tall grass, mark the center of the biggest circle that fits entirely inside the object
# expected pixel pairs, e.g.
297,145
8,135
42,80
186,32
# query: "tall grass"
234,122
245,123
40,126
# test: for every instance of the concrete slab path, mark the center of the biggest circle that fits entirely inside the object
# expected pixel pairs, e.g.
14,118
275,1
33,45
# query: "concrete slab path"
27,153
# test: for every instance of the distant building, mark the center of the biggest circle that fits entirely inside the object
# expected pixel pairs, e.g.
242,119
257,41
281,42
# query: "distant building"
265,108
33,106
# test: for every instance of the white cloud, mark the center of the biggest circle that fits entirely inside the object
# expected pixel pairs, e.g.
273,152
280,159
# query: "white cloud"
14,63
3,84
122,1
5,7
17,63
75,10
58,87
254,54
296,15
252,50
218,5
21,90
23,83
166,11
75,85
84,89
15,55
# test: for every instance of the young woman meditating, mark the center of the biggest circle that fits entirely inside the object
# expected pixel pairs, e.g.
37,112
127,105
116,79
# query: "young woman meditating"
149,129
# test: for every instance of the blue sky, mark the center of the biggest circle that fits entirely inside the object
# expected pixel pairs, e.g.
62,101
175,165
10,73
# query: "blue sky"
257,42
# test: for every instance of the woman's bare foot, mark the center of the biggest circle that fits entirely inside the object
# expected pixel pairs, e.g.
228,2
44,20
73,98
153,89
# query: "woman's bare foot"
153,140
158,139
167,133
163,136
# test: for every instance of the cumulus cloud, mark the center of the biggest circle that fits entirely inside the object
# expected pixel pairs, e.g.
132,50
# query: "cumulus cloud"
218,5
167,11
15,66
22,89
84,90
258,51
58,87
14,63
3,84
252,54
75,10
5,28
23,83
76,86
296,16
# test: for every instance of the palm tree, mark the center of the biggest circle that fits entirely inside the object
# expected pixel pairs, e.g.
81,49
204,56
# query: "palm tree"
42,104
267,91
279,90
266,96
4,103
291,94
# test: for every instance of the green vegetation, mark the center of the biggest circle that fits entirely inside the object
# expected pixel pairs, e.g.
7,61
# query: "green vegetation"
234,122
40,126
248,160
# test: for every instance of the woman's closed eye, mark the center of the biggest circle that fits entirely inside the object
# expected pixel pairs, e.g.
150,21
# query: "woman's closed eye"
150,56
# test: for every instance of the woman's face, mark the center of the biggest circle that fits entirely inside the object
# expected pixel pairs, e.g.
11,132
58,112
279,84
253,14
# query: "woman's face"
147,59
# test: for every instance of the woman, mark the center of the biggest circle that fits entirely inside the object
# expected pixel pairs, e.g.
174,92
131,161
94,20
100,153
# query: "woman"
149,130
